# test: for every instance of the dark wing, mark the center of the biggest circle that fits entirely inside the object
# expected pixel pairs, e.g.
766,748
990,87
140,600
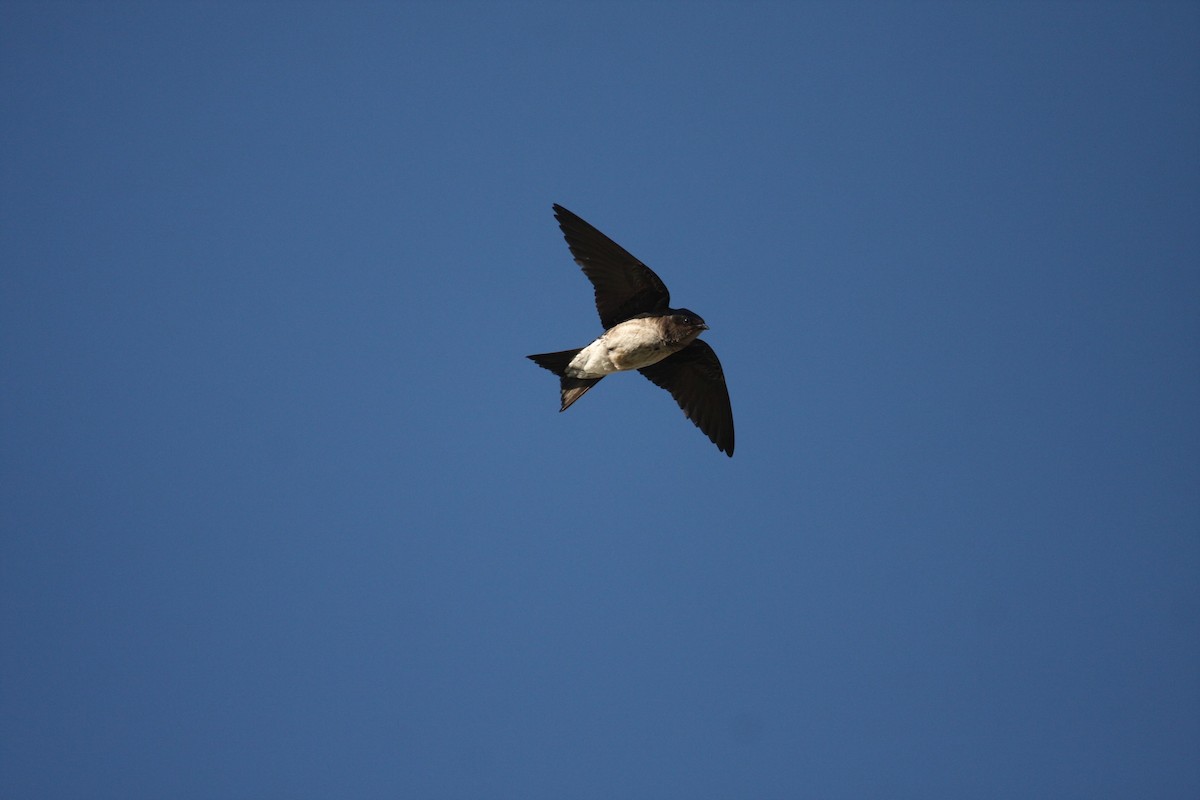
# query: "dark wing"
695,379
625,287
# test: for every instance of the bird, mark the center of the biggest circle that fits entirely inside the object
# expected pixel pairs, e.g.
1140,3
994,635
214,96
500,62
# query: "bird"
641,332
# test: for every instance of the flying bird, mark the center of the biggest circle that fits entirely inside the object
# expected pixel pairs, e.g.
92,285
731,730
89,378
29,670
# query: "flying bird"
642,332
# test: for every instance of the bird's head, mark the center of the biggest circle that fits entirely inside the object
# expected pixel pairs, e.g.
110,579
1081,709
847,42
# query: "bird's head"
688,319
686,325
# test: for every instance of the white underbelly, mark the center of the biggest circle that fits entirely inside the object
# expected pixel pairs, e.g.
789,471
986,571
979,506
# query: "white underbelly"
630,345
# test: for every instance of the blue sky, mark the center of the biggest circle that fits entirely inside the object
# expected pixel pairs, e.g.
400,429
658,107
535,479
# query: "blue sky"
286,512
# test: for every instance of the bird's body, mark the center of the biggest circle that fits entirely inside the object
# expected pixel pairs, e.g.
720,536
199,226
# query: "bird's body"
633,344
641,333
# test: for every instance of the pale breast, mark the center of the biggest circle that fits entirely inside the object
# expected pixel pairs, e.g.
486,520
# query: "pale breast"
633,344
636,343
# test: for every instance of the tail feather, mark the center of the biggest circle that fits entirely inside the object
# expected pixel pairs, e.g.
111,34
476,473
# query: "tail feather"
572,388
555,362
575,388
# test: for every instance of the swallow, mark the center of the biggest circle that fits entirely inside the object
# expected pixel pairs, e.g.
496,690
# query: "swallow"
642,332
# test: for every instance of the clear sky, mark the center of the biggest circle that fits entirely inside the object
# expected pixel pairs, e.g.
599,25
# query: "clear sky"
287,513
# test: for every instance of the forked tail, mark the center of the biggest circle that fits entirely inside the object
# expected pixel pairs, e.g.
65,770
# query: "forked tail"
572,388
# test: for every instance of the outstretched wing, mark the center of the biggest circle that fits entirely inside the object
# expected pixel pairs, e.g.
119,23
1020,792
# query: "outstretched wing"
625,287
695,379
